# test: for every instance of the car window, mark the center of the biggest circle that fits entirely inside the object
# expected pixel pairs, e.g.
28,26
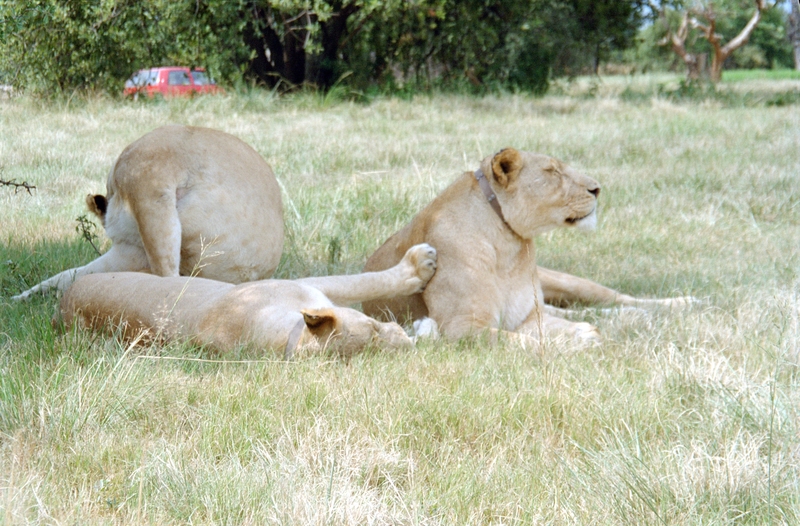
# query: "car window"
133,81
139,79
152,77
200,78
179,78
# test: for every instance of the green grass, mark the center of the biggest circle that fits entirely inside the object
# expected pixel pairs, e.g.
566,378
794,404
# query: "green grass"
736,75
685,417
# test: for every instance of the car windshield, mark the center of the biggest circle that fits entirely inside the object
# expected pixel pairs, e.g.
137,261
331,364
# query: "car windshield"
137,80
179,78
200,78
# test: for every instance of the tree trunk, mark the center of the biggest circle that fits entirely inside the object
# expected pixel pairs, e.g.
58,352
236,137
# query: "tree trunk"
721,53
267,63
794,32
323,70
294,56
295,36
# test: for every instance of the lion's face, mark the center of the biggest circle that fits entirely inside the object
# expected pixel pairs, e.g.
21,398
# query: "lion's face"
347,331
538,193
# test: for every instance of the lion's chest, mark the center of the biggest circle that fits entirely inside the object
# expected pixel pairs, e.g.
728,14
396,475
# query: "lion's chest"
517,304
120,224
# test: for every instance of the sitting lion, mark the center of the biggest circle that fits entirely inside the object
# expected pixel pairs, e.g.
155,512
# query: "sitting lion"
292,315
483,227
185,200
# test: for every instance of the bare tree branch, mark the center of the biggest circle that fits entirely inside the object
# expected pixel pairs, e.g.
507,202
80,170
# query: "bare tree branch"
17,186
708,29
742,38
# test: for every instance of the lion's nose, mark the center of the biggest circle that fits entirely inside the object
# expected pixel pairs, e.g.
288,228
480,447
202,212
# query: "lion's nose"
595,191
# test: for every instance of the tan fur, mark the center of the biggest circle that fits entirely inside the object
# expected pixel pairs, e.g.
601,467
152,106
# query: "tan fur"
487,278
301,314
183,200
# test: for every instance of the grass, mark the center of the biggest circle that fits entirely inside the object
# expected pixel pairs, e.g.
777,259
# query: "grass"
686,417
736,75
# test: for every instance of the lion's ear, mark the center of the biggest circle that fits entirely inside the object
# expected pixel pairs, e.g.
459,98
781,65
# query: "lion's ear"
321,322
506,166
97,204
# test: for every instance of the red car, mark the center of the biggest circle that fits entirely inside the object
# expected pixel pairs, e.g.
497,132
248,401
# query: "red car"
169,82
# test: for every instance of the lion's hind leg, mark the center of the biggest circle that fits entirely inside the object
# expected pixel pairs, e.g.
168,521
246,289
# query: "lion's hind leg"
160,230
563,290
404,279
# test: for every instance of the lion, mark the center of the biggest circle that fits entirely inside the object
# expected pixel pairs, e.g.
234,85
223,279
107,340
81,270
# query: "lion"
483,227
183,200
303,314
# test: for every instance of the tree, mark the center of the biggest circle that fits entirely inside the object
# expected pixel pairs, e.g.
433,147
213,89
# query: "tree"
486,44
794,32
601,26
63,45
704,18
477,44
299,41
96,44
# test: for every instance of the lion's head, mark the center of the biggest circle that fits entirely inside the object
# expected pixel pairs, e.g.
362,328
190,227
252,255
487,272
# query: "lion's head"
538,193
347,331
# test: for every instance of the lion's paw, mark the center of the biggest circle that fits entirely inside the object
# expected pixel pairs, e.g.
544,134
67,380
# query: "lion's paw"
426,328
586,335
422,259
671,303
22,297
683,301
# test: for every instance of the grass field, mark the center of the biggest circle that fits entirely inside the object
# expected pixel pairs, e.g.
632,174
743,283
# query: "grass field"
735,75
683,417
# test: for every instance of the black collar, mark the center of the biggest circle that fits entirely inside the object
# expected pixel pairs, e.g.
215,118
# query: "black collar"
491,198
489,193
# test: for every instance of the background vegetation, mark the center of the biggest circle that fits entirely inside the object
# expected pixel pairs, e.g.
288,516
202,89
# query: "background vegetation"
684,417
57,46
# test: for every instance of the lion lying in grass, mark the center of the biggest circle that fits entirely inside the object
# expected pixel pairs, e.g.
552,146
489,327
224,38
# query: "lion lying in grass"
184,200
483,226
307,314
179,195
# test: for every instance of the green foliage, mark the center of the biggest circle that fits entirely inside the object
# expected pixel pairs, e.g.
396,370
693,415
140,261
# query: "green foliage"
448,43
478,45
97,44
768,46
601,26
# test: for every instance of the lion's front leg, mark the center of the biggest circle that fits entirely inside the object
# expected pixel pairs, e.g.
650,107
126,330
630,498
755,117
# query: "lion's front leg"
119,258
404,279
542,324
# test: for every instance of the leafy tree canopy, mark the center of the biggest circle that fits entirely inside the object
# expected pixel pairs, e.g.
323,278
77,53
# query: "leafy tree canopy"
62,45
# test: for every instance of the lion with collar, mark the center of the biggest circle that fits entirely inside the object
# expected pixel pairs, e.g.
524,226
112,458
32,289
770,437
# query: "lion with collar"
483,227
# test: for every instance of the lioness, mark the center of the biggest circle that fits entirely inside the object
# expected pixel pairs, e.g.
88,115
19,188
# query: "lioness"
299,314
183,200
483,227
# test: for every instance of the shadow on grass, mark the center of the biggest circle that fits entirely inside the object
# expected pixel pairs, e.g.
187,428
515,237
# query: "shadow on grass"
22,266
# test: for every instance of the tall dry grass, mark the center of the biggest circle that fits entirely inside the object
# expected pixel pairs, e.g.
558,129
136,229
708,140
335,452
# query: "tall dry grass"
684,417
